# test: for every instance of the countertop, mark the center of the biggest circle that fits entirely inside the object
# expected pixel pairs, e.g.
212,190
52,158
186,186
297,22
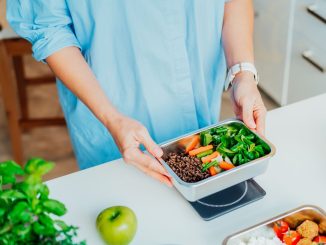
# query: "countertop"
296,176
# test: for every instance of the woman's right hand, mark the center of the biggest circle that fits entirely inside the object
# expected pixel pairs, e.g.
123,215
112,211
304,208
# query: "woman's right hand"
129,134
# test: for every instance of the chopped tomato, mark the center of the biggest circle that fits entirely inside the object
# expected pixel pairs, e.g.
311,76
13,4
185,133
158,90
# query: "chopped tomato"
321,239
280,227
291,237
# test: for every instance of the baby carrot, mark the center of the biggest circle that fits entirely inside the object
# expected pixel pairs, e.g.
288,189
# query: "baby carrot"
193,143
208,158
200,149
212,171
225,165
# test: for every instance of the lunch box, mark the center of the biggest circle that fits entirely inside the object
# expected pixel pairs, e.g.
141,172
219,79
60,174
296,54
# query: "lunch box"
307,212
213,184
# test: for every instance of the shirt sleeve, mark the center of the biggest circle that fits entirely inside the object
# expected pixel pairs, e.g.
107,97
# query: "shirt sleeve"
46,24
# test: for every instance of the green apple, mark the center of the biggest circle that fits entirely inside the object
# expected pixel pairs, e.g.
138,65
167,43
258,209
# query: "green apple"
117,225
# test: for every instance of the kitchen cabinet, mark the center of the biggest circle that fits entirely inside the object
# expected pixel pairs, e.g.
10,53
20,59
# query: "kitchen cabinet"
290,49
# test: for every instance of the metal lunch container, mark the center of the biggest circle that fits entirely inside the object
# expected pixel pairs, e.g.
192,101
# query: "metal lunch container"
298,215
213,184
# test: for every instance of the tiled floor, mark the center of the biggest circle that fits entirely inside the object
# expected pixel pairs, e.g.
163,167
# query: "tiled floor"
53,143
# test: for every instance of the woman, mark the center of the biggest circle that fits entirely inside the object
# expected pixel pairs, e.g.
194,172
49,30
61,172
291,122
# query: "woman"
133,73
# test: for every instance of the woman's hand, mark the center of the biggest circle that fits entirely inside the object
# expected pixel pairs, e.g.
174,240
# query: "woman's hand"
129,134
247,102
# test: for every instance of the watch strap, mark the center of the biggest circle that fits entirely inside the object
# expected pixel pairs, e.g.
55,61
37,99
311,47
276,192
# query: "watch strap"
237,68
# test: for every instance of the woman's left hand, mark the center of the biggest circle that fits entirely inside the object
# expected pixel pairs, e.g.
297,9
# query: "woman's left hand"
247,102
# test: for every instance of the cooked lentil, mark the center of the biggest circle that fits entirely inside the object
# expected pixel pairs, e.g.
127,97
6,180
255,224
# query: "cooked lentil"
188,168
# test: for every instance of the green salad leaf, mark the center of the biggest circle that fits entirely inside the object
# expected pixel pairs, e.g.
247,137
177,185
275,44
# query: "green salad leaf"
236,142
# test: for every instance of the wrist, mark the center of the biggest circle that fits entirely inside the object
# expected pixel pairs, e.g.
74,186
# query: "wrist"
112,118
244,77
238,70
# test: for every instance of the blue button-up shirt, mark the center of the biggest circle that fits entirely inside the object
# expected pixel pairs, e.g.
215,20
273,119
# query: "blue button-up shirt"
160,62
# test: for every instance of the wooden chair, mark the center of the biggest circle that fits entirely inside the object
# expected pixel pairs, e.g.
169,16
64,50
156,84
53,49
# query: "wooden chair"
14,84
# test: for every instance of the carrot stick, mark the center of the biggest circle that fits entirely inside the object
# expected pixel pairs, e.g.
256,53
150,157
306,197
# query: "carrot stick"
210,157
193,143
212,171
200,149
225,165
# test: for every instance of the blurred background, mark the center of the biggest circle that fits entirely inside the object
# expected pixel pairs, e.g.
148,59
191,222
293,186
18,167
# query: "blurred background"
290,57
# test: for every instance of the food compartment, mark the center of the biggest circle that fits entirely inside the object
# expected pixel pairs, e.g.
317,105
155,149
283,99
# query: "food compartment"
213,151
305,225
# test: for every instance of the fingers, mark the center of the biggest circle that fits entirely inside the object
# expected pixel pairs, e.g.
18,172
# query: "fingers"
248,114
149,143
136,157
148,165
260,117
162,178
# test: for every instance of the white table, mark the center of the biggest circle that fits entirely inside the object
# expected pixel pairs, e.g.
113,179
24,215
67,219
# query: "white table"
296,176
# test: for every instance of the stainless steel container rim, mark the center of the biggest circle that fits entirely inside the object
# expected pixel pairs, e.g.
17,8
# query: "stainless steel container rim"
201,182
279,217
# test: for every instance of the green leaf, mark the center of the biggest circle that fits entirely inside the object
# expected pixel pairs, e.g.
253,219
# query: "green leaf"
27,189
44,192
2,212
251,147
206,139
10,168
237,147
226,150
259,149
11,195
41,229
46,221
38,166
20,213
22,231
216,139
5,228
265,146
38,190
235,159
256,154
33,179
54,207
62,225
8,179
221,130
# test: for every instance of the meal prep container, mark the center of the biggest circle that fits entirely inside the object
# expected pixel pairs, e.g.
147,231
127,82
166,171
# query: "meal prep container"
300,214
213,184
